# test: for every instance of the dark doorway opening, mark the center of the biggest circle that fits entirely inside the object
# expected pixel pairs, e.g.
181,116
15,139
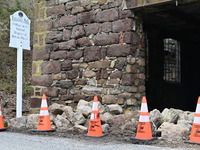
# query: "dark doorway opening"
182,24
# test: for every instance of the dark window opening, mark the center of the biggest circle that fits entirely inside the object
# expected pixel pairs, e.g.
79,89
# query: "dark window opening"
172,69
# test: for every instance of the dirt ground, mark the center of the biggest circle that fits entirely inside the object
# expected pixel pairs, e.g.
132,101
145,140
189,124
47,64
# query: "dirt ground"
119,138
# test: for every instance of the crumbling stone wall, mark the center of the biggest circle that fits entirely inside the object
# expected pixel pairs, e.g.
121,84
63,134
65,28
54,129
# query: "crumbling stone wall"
84,48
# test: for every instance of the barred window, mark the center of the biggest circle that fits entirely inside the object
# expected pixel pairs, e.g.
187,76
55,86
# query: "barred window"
172,69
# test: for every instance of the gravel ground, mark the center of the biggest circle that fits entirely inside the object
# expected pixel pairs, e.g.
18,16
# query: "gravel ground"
26,139
17,141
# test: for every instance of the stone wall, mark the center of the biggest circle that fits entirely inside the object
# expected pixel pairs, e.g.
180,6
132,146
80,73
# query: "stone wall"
85,48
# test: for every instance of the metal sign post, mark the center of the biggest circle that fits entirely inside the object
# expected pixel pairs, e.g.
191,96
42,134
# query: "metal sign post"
20,39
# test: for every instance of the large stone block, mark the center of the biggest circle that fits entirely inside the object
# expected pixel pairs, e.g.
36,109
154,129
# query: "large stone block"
128,79
107,15
54,36
85,41
66,65
77,31
92,54
122,25
51,67
67,21
51,92
73,74
64,84
77,54
67,45
44,80
119,50
104,39
86,17
58,55
106,27
66,34
56,10
91,29
99,64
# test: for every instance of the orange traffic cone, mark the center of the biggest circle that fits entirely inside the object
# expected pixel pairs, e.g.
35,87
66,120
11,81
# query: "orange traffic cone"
95,128
2,128
44,124
144,131
195,132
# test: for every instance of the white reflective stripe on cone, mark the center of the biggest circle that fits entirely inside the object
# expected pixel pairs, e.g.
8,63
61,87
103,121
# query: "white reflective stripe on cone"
144,119
196,119
198,109
0,113
44,112
144,107
44,103
95,105
92,116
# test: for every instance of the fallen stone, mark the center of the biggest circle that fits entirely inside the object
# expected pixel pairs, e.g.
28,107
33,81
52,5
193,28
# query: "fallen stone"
18,123
84,107
61,123
32,121
56,109
170,115
68,111
115,109
156,117
80,129
106,117
79,118
186,115
105,128
173,132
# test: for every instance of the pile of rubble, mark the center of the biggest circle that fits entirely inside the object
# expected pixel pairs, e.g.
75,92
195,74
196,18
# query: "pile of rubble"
171,124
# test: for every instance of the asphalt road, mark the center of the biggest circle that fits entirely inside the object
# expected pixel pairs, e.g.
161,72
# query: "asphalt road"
16,141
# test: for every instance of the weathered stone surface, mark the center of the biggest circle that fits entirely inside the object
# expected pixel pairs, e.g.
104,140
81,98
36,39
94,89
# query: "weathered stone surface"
116,74
106,27
44,80
172,132
66,65
115,3
32,121
67,45
73,74
77,31
92,54
67,21
84,107
77,9
122,25
61,123
119,50
56,10
79,118
115,91
18,123
170,115
91,29
51,67
126,14
54,36
77,54
99,64
63,1
185,123
66,34
92,90
130,126
83,42
51,92
58,55
107,15
56,109
115,109
64,84
109,99
186,115
156,117
106,117
89,74
86,17
72,4
104,39
69,113
132,102
128,79
80,128
105,128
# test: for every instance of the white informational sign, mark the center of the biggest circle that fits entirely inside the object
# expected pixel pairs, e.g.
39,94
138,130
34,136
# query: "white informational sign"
19,30
20,39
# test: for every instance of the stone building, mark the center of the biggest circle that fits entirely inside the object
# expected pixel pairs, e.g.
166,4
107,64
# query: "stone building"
119,50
